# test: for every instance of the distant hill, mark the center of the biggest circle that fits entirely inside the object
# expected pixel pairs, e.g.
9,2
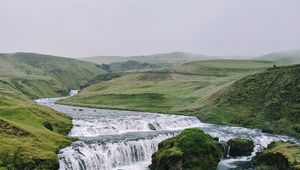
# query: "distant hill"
174,57
222,67
287,57
37,75
269,100
131,66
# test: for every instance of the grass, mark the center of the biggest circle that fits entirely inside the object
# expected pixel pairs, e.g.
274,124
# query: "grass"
279,155
175,91
30,134
131,66
33,132
37,75
164,92
269,101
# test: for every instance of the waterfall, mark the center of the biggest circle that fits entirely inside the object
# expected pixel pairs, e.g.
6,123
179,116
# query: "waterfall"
106,156
108,124
114,139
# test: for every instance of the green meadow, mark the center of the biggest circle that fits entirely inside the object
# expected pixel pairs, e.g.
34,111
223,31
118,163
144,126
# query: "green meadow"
185,87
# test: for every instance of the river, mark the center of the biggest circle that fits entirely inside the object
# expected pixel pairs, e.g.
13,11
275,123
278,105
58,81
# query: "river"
115,139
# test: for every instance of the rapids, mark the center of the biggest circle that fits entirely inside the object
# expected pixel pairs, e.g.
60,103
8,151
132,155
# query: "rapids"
115,139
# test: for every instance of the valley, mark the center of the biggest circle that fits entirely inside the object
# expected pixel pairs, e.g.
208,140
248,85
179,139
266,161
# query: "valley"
230,92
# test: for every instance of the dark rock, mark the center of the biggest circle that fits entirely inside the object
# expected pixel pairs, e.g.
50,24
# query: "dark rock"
151,127
48,125
225,147
240,147
216,139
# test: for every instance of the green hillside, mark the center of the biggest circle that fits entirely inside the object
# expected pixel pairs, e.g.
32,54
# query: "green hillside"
224,67
268,100
131,66
175,91
287,57
37,75
30,134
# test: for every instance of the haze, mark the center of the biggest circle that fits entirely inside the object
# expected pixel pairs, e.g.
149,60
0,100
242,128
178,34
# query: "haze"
76,28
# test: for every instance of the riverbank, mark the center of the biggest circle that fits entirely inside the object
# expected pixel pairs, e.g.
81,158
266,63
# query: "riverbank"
30,134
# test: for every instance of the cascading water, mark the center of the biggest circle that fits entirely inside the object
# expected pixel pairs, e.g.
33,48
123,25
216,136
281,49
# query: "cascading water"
114,139
110,155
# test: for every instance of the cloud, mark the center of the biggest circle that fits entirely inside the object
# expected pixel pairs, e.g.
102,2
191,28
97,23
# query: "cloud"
78,28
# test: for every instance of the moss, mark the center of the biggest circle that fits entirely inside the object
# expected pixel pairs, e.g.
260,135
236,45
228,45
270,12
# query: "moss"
240,147
191,149
279,156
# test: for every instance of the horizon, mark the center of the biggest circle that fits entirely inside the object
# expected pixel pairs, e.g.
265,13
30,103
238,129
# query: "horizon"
141,55
80,29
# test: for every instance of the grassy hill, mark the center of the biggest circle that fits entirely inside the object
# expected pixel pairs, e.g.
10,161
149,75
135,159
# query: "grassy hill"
30,134
223,67
175,91
37,75
287,57
164,59
131,66
268,100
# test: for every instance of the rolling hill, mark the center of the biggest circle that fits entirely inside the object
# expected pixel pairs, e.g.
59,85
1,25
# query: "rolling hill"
37,75
287,57
171,91
165,59
268,100
131,65
30,134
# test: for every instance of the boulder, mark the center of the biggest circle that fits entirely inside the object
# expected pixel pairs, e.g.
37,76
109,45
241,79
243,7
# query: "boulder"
240,147
278,156
191,149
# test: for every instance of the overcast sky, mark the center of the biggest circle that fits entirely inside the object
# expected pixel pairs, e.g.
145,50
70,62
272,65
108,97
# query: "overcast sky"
81,28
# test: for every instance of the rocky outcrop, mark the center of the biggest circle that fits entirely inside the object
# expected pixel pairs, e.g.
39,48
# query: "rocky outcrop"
240,147
191,149
278,156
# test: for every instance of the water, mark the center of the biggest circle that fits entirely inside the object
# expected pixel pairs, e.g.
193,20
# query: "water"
114,139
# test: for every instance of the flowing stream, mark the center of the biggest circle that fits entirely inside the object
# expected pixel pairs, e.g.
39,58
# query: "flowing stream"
114,139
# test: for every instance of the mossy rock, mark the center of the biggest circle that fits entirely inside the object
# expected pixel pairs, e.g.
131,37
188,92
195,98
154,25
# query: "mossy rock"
240,147
191,149
278,156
